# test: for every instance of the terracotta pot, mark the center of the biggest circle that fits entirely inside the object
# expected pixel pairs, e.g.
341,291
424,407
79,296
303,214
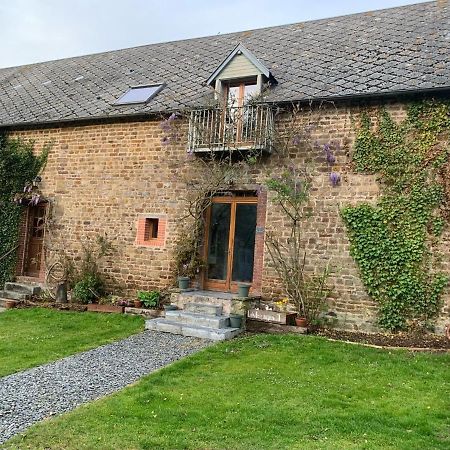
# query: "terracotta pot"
137,304
10,304
301,322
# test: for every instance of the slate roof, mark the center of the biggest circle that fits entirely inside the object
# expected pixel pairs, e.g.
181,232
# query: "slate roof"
380,52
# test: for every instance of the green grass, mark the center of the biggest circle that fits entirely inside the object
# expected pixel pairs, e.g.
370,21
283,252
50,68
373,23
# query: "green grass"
269,392
30,337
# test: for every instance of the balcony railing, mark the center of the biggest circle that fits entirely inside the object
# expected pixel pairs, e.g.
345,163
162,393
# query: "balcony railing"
234,128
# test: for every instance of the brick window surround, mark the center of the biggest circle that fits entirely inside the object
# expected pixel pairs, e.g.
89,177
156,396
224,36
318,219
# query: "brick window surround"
151,231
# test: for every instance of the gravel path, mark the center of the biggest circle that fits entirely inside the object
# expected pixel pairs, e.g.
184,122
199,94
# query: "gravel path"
30,396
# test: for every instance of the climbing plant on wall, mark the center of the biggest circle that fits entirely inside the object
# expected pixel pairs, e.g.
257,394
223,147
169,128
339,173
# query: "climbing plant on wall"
394,242
18,167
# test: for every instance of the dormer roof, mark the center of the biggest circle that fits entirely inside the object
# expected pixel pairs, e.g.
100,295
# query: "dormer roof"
239,50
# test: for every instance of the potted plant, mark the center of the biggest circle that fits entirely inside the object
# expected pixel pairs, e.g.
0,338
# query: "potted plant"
149,299
301,322
236,320
183,283
137,303
243,289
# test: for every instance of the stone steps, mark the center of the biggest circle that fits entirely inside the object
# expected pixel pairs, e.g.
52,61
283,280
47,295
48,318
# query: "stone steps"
23,288
171,326
203,308
190,318
18,292
197,319
13,295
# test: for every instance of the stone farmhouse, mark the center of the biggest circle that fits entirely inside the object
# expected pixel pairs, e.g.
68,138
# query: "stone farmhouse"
129,128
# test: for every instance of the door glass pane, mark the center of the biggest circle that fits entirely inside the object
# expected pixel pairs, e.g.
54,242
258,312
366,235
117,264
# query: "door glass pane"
250,91
244,242
219,233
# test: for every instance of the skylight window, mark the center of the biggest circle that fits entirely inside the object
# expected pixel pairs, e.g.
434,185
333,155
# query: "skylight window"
139,94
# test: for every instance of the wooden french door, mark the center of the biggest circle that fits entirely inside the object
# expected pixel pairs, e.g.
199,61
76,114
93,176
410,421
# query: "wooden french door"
230,242
35,244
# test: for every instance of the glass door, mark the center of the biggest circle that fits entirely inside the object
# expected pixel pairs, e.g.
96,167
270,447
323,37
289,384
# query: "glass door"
230,242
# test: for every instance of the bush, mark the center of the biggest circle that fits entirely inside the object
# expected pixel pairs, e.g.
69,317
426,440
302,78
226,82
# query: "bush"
149,299
88,289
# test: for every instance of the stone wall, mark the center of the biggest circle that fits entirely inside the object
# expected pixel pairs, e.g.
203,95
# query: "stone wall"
104,178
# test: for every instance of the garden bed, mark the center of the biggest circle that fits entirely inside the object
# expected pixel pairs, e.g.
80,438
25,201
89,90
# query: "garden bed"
403,340
409,340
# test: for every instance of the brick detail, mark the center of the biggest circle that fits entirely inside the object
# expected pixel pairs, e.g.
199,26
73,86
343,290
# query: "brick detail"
21,251
258,264
144,238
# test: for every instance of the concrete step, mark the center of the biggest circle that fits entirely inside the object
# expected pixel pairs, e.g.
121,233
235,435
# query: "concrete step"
14,295
202,320
23,288
203,308
4,300
169,326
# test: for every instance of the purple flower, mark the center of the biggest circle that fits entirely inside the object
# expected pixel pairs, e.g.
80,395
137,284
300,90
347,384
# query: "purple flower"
335,178
165,140
331,159
172,117
165,125
296,139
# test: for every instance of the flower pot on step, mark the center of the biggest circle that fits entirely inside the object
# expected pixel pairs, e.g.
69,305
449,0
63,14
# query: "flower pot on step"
183,283
243,290
236,320
10,304
301,322
137,304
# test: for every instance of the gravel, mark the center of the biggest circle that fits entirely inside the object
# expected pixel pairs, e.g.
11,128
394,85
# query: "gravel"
33,395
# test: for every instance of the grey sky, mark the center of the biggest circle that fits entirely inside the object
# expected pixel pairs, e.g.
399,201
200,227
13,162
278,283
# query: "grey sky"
41,30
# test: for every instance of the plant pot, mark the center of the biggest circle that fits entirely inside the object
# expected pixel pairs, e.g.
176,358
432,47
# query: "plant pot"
243,289
301,322
10,304
236,320
137,304
170,307
183,283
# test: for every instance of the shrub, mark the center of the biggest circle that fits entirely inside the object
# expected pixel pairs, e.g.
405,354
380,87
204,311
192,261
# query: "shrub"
88,289
149,299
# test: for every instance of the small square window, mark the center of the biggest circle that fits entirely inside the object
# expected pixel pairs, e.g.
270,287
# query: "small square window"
151,229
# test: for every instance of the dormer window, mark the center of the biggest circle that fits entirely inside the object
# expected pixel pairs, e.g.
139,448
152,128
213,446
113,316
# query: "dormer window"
237,122
238,68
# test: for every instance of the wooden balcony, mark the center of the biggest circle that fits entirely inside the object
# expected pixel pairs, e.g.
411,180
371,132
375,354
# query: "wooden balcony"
243,128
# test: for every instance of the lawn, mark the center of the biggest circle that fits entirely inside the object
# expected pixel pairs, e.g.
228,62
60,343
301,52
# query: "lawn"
30,337
269,392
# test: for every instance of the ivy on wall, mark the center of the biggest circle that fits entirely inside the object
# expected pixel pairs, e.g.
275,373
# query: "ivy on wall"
394,241
18,167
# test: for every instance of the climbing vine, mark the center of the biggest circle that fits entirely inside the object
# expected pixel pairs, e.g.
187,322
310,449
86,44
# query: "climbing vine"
18,167
394,241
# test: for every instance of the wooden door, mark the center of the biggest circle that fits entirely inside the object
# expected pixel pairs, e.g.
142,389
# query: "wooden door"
237,117
35,244
230,242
